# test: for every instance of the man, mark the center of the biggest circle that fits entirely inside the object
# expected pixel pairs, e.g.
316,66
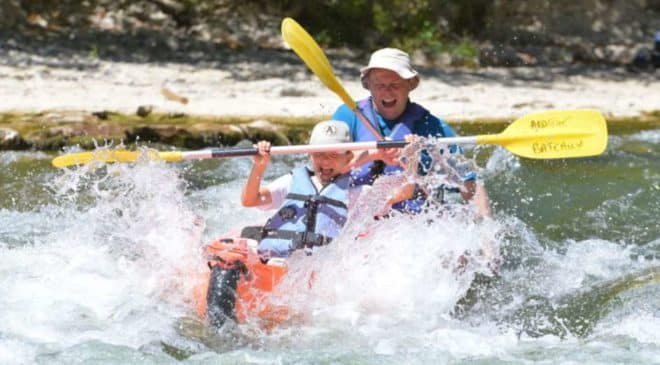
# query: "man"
390,78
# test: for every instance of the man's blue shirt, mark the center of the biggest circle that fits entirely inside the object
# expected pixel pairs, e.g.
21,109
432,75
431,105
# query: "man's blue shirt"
430,127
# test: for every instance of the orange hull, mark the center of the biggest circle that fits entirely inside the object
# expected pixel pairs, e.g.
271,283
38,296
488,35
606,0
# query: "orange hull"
256,281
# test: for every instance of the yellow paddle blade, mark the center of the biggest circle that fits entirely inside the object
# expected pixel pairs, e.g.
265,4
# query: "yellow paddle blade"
554,134
309,51
81,158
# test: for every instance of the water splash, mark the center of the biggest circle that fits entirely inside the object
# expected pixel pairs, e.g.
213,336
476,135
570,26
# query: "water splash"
384,282
120,238
93,269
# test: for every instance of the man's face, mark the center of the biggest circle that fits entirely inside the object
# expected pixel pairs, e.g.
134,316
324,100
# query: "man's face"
389,92
328,165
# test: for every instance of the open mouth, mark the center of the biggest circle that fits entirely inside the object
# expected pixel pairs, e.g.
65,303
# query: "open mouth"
326,174
388,103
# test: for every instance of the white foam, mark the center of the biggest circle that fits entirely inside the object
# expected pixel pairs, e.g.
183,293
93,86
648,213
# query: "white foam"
642,326
652,136
108,272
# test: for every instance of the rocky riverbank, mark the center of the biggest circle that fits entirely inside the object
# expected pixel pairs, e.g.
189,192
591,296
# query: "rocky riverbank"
57,130
49,102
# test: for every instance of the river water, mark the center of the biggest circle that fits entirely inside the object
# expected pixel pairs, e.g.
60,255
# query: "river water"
97,265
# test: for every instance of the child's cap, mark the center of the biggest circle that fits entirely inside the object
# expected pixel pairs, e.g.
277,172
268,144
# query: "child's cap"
330,131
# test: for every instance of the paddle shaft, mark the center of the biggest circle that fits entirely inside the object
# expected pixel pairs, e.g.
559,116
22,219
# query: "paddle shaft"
210,153
365,122
286,150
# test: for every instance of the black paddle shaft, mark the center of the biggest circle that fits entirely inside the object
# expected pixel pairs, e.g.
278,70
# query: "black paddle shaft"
391,144
233,152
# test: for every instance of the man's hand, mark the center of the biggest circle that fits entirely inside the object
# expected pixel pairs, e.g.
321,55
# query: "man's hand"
392,156
389,155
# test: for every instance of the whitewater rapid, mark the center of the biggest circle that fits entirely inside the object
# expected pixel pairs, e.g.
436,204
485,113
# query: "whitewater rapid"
95,266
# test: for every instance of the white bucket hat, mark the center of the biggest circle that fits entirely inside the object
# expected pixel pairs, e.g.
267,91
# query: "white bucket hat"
390,59
330,131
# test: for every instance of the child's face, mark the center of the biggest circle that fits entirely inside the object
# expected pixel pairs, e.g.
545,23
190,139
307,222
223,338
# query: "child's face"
328,165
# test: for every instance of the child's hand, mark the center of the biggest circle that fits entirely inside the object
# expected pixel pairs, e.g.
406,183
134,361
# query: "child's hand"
263,157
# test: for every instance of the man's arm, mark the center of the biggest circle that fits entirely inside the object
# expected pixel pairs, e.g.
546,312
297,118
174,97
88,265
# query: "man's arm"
474,191
404,192
388,155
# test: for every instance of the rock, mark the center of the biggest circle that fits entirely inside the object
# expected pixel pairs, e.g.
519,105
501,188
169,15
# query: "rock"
102,115
213,134
295,92
144,110
535,104
10,13
64,131
263,124
442,59
419,58
37,20
171,93
644,60
500,56
265,130
7,134
11,140
146,134
235,129
619,54
75,117
506,56
528,59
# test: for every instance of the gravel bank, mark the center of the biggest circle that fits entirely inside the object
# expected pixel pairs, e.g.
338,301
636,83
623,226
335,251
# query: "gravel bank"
275,83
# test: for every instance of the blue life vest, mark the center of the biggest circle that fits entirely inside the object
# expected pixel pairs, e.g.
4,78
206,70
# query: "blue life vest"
366,173
307,217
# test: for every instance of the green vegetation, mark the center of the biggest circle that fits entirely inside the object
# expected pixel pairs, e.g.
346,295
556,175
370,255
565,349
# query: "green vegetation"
427,26
461,32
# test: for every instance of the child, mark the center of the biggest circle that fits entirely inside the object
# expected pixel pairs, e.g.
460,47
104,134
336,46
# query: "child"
312,202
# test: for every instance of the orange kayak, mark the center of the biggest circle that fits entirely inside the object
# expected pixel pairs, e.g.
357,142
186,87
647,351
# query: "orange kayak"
238,284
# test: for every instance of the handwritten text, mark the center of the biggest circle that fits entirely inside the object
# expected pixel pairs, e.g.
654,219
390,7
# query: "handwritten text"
549,147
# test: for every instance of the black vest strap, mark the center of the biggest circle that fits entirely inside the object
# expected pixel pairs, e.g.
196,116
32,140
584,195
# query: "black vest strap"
300,239
316,198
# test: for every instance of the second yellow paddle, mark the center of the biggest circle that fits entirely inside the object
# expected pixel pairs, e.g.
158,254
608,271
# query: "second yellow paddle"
309,51
546,135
